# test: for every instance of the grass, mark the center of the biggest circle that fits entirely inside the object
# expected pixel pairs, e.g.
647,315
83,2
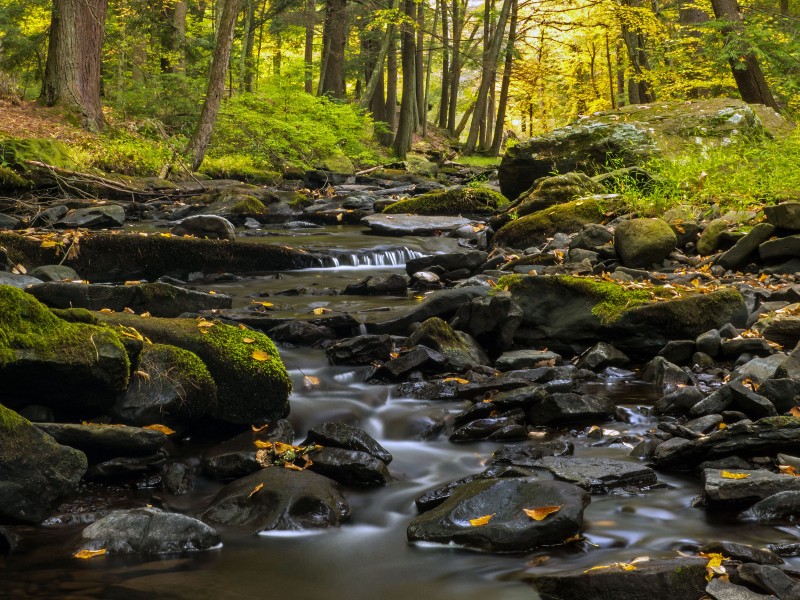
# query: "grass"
742,175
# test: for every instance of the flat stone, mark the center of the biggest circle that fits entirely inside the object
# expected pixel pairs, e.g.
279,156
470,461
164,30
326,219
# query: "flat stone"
412,224
785,247
98,441
757,484
570,408
725,590
110,215
784,216
526,359
747,245
598,475
777,507
348,437
602,355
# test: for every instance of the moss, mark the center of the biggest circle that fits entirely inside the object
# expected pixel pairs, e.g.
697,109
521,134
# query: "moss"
780,422
9,420
249,205
16,152
564,218
450,202
76,315
11,181
337,164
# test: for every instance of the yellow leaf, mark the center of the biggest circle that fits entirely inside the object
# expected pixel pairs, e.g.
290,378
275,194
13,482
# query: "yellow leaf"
620,565
256,489
310,381
321,311
128,311
795,411
477,522
260,356
261,444
723,425
145,315
264,304
89,553
259,429
714,562
248,340
134,282
202,324
729,475
162,428
695,282
48,244
538,514
458,380
106,310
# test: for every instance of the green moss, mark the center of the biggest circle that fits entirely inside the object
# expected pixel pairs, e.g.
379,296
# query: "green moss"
535,228
612,299
10,180
76,315
780,421
16,152
9,420
300,201
450,202
250,205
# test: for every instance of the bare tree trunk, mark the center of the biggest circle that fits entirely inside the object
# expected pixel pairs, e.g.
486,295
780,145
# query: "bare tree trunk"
422,110
611,90
747,72
489,68
175,42
308,59
249,40
216,84
334,37
455,71
428,68
784,7
72,72
499,128
638,90
443,104
376,76
391,93
408,104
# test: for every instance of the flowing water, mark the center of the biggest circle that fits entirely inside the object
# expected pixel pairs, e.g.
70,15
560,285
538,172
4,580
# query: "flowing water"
369,557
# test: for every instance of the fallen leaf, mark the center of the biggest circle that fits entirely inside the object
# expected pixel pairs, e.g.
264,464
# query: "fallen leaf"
729,475
89,553
262,444
259,429
133,282
788,470
145,315
202,324
106,310
713,564
264,304
321,311
540,513
260,356
309,381
458,380
48,244
248,340
128,311
256,489
162,428
477,522
795,411
620,565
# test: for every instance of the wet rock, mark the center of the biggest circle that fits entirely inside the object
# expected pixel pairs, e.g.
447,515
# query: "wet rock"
599,475
449,262
509,529
99,442
743,553
412,224
664,374
421,359
17,281
719,589
8,541
389,284
715,403
55,273
782,506
770,579
592,237
709,342
433,498
491,320
35,471
568,408
704,424
651,580
679,402
159,299
176,479
148,531
9,222
288,499
362,350
211,227
601,356
302,333
750,403
122,469
678,352
95,217
348,437
349,467
237,457
461,350
735,347
643,242
783,393
757,484
785,215
526,359
527,455
746,246
481,429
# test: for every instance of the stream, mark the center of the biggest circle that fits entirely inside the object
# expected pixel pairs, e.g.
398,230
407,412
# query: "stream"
369,556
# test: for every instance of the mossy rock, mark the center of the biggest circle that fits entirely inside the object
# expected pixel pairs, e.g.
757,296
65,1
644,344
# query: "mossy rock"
461,349
454,201
11,181
35,471
47,360
336,164
252,382
556,189
644,242
710,239
569,217
52,152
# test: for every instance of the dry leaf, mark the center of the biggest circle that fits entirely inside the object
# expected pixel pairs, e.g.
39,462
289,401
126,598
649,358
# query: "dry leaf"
729,475
540,513
256,489
260,356
619,565
795,411
248,340
145,315
261,444
714,563
788,470
321,311
203,324
458,380
264,304
162,428
259,429
89,553
134,282
309,381
106,310
48,244
477,522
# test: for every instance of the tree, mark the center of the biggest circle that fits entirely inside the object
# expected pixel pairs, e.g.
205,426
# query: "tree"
72,72
407,123
216,83
334,42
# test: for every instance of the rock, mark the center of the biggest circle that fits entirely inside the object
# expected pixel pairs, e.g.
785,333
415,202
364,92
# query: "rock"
292,500
784,247
781,506
715,403
761,369
18,281
59,363
738,346
148,531
599,475
412,225
750,403
389,284
433,498
451,201
491,320
491,427
555,189
35,471
783,393
785,215
666,579
679,402
742,553
569,408
249,390
678,352
349,467
771,580
9,222
782,328
601,356
55,273
746,246
212,227
591,237
362,350
176,479
526,359
95,217
168,386
130,470
301,333
461,350
527,454
442,304
709,342
710,238
509,529
421,359
665,375
719,589
758,484
345,436
643,242
237,457
100,442
8,541
451,261
159,299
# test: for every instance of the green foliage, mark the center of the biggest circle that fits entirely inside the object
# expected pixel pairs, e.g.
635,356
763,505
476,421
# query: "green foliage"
127,153
239,166
285,125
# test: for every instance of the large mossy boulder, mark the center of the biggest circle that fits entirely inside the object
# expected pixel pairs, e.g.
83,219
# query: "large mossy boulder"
252,382
453,201
35,471
569,314
47,360
570,217
557,189
644,242
631,135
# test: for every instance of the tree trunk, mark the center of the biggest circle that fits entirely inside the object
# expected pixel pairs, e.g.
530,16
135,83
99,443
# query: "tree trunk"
443,103
500,126
784,7
376,77
408,104
308,58
488,70
746,70
174,20
334,37
216,84
455,71
638,90
248,42
422,110
428,68
391,93
72,72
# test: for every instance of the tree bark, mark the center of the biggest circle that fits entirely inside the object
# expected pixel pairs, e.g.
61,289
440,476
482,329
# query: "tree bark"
376,76
443,103
334,37
216,84
391,93
248,42
455,71
499,128
308,57
422,110
747,72
428,68
72,71
408,104
638,90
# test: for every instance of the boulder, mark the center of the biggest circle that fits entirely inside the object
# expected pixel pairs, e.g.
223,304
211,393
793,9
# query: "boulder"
449,261
389,284
35,471
349,467
526,359
362,350
95,217
491,320
601,356
569,408
237,457
461,350
598,475
509,528
212,227
719,589
737,485
148,531
420,358
451,201
785,215
745,247
643,242
710,239
412,224
780,248
342,435
442,304
555,189
771,580
100,442
55,273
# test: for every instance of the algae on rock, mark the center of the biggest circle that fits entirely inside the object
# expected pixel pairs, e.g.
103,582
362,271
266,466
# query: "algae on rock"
453,201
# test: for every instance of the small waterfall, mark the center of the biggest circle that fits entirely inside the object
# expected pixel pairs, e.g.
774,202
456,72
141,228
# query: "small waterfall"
378,257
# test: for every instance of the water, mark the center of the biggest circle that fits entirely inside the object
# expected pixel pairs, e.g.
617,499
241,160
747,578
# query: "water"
369,556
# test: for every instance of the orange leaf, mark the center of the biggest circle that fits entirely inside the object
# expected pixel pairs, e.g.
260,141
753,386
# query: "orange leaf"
458,380
261,444
89,553
540,513
795,411
258,429
260,356
310,381
256,489
48,244
162,428
145,315
729,475
477,522
321,311
248,340
788,470
135,282
203,324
